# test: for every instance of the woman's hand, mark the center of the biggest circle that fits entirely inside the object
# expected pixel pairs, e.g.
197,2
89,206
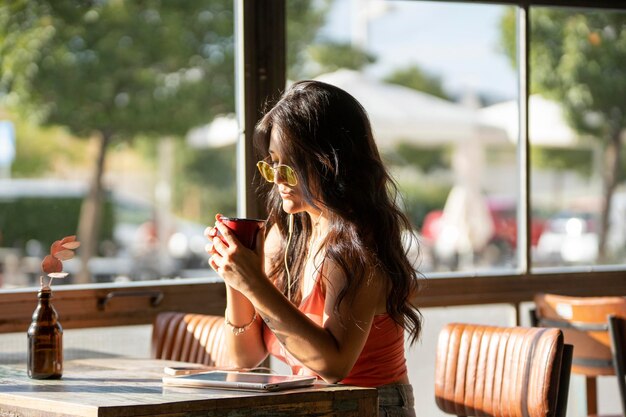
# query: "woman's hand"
240,267
211,233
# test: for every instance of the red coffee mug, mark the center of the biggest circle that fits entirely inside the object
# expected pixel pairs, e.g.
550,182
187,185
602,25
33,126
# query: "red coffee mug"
245,229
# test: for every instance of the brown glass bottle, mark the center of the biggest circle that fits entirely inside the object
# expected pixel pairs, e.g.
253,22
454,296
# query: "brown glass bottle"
45,340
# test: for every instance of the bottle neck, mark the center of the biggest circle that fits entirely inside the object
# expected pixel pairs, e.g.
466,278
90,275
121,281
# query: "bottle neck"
44,295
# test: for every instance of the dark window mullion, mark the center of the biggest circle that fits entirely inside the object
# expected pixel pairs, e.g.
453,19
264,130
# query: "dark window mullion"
263,75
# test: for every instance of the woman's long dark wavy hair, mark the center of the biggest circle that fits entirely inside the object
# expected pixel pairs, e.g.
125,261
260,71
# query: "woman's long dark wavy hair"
325,135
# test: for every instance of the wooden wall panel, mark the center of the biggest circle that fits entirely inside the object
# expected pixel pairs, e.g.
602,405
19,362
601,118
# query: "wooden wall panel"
80,308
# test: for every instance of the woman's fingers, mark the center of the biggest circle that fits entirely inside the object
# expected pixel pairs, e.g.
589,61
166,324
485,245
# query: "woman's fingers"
210,232
219,247
232,261
226,234
213,263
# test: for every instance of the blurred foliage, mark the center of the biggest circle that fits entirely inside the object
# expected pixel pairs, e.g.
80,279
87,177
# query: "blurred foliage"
40,151
577,160
583,67
31,210
304,18
121,67
418,79
427,159
216,166
577,59
209,180
420,198
308,54
508,34
330,57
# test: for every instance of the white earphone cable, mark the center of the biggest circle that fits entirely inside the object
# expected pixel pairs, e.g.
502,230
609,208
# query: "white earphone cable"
286,263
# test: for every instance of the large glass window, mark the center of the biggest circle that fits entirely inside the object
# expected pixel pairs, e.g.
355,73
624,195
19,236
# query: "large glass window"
116,124
427,73
440,84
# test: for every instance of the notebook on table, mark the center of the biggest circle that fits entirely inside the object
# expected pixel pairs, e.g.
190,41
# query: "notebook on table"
240,381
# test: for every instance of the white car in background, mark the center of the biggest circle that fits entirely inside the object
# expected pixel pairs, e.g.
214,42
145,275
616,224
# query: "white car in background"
572,237
569,238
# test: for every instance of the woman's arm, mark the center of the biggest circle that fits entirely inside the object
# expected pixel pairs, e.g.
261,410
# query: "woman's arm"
246,349
329,350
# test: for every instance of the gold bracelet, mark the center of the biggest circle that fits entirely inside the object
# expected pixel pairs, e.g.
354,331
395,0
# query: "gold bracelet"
238,330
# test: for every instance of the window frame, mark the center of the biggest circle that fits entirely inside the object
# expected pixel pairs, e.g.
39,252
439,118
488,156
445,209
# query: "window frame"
260,33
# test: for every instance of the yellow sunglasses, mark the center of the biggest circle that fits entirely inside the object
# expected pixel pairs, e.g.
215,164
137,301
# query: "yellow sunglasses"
272,173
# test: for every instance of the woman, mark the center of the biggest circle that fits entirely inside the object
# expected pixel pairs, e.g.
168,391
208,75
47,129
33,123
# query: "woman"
329,288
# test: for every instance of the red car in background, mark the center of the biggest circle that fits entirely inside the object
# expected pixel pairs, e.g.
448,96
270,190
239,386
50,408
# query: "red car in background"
504,239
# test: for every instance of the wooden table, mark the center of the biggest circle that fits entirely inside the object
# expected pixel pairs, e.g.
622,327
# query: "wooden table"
132,387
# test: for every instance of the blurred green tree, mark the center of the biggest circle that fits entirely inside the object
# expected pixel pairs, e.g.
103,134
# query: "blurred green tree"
204,169
115,70
426,158
303,21
578,58
331,56
308,54
416,78
36,145
577,160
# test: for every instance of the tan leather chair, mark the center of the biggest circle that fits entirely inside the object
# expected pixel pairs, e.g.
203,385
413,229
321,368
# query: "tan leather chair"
196,338
595,327
502,371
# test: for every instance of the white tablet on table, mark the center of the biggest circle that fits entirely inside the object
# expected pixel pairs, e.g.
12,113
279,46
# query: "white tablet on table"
240,381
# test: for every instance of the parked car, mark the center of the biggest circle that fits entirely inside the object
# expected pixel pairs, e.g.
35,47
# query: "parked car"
569,238
502,246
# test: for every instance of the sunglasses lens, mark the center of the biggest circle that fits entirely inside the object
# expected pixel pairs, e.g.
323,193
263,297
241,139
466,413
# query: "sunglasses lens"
266,171
284,172
287,173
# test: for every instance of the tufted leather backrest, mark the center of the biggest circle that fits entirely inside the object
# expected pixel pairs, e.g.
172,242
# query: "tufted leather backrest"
196,338
501,371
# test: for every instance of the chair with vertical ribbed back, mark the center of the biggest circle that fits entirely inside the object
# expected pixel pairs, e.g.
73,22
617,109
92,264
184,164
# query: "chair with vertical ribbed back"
502,371
196,338
596,327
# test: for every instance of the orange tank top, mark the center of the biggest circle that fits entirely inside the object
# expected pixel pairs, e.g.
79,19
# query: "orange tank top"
381,361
